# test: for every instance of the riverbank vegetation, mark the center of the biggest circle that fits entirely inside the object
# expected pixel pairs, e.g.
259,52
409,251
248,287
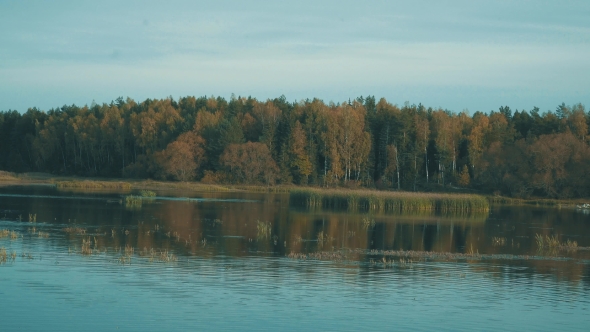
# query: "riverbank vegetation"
87,184
365,143
382,201
7,176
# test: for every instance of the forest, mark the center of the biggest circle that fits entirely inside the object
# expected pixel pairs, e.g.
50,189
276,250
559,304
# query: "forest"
360,143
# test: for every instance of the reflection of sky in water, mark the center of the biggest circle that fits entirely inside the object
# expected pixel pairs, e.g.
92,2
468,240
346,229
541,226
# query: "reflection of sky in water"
83,293
241,280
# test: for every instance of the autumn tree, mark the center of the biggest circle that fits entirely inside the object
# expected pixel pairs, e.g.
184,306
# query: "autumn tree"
181,158
249,163
300,164
464,178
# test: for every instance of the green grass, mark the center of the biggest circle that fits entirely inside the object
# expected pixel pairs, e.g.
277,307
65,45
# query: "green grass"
147,193
133,201
386,201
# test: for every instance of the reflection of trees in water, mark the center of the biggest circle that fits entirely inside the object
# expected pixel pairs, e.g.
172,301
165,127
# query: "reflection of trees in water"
230,228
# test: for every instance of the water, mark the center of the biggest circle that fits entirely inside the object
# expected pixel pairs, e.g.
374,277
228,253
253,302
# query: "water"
237,261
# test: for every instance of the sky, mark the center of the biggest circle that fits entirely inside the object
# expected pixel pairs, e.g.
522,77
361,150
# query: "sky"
457,55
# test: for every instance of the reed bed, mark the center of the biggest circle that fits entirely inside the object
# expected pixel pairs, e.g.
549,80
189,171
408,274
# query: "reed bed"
196,186
552,243
87,184
147,193
535,202
386,201
133,201
263,229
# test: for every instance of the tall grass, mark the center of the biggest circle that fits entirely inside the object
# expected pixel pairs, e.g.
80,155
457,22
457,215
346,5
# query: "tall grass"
133,201
147,193
382,201
520,201
552,243
87,184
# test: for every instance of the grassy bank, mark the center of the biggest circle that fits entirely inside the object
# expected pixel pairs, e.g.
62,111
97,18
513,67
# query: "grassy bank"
87,184
385,201
362,199
7,176
535,201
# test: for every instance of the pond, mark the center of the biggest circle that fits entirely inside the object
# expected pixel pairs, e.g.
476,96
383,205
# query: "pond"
73,260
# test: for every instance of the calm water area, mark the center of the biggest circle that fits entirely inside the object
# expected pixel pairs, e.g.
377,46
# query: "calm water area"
249,261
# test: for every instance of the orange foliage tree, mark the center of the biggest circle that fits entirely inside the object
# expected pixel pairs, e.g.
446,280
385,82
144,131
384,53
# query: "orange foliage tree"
181,158
249,163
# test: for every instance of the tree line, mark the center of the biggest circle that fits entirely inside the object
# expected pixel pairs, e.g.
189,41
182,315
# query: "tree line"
363,142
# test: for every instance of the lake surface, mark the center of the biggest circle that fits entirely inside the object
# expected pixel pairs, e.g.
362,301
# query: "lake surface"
241,261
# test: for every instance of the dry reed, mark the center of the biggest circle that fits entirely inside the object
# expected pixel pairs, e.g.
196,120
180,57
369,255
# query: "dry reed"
75,230
387,201
552,243
263,229
3,255
87,184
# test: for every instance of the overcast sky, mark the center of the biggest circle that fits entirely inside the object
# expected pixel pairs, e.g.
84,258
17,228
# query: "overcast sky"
475,55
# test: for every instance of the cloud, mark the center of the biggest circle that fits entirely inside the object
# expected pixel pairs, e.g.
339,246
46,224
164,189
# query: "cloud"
328,50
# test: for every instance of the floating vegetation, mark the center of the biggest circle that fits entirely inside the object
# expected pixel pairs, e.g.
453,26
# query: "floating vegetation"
4,233
86,249
147,193
86,184
386,201
3,255
75,230
129,250
335,256
263,229
498,241
14,235
158,255
133,201
124,260
407,257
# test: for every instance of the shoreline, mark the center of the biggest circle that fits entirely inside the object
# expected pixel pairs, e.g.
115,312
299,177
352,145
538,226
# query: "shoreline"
90,183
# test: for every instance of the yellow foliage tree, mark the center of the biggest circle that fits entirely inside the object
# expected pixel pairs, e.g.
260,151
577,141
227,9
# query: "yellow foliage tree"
464,178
